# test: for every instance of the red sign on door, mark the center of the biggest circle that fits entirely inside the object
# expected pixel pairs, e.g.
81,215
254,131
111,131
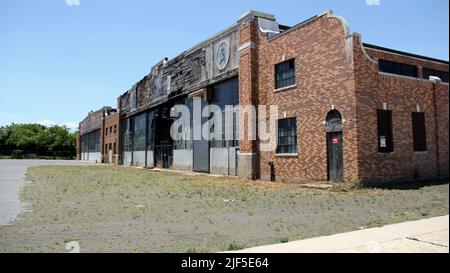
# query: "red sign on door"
335,141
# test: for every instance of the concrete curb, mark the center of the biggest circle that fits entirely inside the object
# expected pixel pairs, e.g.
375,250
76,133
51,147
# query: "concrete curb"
428,235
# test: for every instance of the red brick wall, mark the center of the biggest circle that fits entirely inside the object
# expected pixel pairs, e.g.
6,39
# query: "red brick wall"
110,138
333,69
323,78
401,94
248,81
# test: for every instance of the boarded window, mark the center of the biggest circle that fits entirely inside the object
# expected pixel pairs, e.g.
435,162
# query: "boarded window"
398,68
285,74
431,72
419,132
385,138
287,136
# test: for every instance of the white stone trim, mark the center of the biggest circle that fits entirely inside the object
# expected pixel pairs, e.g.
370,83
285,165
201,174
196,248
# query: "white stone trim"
287,155
246,45
344,22
364,49
285,88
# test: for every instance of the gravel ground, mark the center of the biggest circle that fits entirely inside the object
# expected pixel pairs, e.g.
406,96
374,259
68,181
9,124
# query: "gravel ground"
116,209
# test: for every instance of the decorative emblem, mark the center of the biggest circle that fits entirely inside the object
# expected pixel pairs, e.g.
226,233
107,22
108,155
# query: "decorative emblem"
222,55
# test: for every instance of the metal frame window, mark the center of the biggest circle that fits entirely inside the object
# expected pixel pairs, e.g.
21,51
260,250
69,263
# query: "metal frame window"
287,136
398,68
186,142
227,94
419,132
139,132
90,142
127,134
150,131
285,74
427,72
385,136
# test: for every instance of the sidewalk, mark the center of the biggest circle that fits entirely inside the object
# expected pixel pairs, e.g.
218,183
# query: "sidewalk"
423,236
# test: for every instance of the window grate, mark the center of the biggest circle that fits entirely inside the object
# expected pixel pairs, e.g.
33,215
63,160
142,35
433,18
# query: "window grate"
287,136
398,68
285,74
431,72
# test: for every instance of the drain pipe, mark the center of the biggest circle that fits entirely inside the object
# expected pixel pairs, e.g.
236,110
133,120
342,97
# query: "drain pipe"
436,81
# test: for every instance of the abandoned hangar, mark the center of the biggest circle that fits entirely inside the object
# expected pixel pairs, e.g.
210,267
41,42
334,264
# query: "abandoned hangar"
346,110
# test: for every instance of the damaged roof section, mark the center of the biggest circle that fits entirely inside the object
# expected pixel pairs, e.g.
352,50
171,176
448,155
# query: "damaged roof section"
192,70
93,121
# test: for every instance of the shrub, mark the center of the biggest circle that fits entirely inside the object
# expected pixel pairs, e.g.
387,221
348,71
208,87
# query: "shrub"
17,154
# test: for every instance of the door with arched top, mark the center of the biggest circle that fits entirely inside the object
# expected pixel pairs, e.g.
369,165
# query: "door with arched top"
335,146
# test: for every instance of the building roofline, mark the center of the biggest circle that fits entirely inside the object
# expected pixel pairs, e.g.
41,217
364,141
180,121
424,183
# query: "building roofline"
404,53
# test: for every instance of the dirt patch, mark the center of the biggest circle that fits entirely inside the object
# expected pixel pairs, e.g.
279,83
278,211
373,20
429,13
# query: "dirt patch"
115,209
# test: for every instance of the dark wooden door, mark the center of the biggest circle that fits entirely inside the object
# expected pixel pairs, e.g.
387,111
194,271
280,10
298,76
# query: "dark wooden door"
335,157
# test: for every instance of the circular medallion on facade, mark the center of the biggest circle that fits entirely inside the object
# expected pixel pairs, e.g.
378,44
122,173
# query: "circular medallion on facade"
222,55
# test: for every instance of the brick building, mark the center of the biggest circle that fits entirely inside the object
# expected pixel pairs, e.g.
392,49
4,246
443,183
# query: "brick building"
346,110
92,135
110,131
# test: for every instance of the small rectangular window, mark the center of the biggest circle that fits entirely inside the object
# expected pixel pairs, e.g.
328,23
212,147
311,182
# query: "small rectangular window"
419,132
285,74
287,136
385,138
431,72
398,68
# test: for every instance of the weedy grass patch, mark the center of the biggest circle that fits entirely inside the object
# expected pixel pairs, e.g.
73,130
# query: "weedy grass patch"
117,209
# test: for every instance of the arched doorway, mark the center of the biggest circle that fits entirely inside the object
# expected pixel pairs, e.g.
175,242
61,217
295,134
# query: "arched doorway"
335,146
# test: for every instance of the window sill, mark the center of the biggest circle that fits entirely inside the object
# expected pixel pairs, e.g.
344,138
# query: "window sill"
390,153
285,88
421,153
399,76
286,155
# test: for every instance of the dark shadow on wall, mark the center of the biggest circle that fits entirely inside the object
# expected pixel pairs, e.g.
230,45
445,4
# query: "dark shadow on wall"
407,185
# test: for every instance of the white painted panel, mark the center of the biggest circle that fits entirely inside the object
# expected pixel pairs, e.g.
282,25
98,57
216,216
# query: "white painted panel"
182,160
219,161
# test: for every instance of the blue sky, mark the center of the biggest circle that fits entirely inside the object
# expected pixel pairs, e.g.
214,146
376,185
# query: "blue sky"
58,62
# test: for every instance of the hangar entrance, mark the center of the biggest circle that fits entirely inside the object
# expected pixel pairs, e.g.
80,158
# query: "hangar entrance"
335,146
163,147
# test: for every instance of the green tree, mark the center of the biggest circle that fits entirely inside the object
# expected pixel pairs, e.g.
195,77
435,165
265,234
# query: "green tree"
25,137
55,141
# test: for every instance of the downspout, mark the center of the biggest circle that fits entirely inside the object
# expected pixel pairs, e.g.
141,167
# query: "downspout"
436,81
